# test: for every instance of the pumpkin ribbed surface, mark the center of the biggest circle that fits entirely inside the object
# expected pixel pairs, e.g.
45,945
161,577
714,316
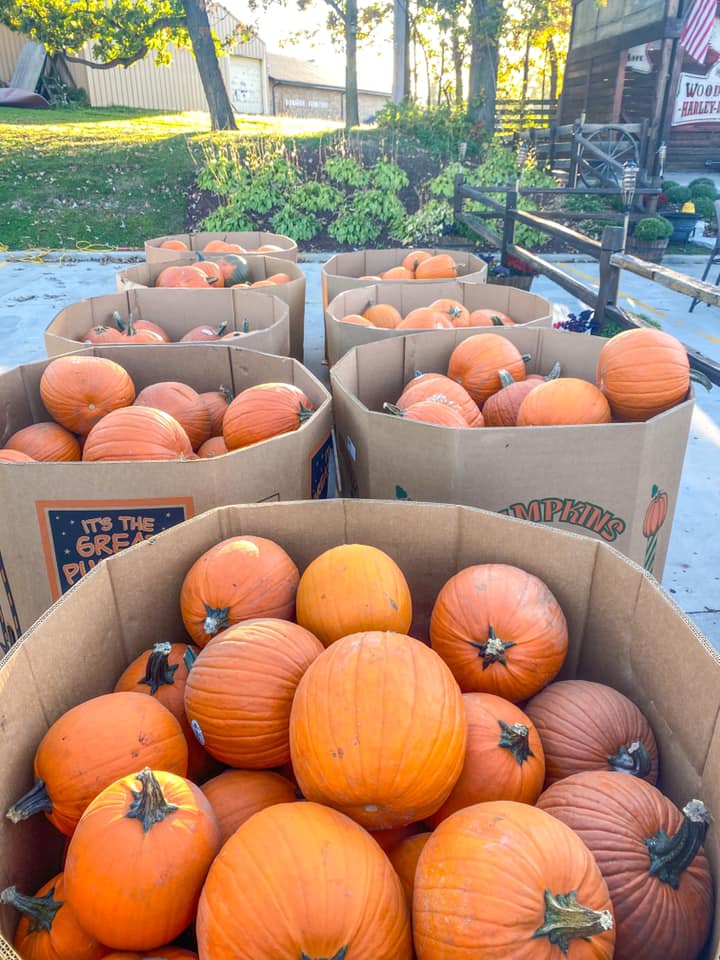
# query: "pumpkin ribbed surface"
491,877
501,409
217,403
378,729
424,318
327,891
642,373
616,817
440,412
456,312
102,334
235,795
240,689
45,441
214,447
404,858
137,433
383,315
240,578
181,402
563,402
429,385
489,317
590,726
476,363
263,411
14,456
189,276
441,266
500,630
79,391
351,588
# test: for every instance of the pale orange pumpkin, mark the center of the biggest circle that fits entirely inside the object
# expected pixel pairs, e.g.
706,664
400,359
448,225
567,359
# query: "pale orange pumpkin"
181,402
456,312
566,401
489,317
14,456
45,441
137,433
214,447
424,318
397,273
428,386
356,318
383,315
174,245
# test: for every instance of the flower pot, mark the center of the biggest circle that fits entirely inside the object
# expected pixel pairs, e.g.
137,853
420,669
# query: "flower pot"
683,225
651,250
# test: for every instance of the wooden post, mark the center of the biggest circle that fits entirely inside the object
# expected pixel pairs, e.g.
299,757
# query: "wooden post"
457,196
552,145
508,235
573,170
612,242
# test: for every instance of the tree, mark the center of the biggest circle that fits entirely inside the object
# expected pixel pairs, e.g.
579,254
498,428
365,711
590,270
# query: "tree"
123,31
486,17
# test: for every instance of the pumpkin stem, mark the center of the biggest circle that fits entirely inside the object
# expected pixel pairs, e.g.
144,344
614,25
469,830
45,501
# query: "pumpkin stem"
149,805
226,391
526,357
493,649
36,800
669,856
304,413
40,911
555,372
697,377
634,760
216,619
158,671
119,322
189,658
496,321
566,920
515,739
340,955
245,327
506,378
393,410
219,331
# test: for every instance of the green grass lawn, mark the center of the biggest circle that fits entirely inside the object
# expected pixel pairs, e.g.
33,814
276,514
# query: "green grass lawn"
108,177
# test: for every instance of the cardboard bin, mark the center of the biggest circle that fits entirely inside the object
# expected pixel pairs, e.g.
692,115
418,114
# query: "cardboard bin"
57,520
598,480
264,320
526,309
623,630
342,272
261,267
250,239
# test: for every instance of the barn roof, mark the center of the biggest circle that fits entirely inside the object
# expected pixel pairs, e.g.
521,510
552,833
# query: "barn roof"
308,73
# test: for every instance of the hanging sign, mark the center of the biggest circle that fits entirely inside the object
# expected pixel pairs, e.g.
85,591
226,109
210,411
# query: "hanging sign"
638,59
698,98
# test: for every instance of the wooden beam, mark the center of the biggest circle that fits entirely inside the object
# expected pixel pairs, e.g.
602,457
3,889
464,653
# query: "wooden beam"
469,220
619,87
680,282
584,293
577,240
667,27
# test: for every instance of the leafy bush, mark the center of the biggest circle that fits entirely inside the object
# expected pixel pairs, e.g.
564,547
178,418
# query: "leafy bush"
439,129
704,208
652,228
427,226
365,214
703,183
703,191
346,171
677,194
666,184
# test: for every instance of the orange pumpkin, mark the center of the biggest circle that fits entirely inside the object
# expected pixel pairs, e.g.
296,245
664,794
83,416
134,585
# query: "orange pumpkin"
48,928
140,332
424,318
240,689
148,848
535,867
501,409
327,890
267,282
214,447
567,400
233,335
437,411
80,391
102,334
280,278
388,839
404,858
356,318
383,315
184,276
240,578
235,795
489,317
93,744
159,953
45,441
413,260
264,411
429,386
351,588
234,269
204,333
397,273
642,373
174,245
269,248
476,363
380,765
504,758
137,433
14,456
222,246
440,267
500,630
181,402
212,272
456,312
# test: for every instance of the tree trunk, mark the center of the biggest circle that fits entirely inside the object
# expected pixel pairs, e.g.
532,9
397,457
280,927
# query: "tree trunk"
401,51
352,118
526,71
484,29
553,57
457,55
221,112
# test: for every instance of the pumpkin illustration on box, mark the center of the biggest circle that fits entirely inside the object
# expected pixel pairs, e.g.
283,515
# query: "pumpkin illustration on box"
652,523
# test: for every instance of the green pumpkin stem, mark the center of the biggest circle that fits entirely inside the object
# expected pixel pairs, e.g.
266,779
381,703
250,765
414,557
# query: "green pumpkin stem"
149,805
493,649
526,357
36,800
634,760
496,321
304,413
158,671
566,920
226,391
217,619
219,331
189,658
515,739
669,856
697,377
506,378
40,911
393,410
340,955
555,372
119,322
245,327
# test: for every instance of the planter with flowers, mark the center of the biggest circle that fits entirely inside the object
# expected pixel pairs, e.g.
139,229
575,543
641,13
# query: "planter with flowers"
510,272
649,238
686,206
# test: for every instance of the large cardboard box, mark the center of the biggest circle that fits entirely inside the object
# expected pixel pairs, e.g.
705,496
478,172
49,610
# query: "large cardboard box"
250,240
343,271
57,520
598,480
261,267
623,630
527,309
264,320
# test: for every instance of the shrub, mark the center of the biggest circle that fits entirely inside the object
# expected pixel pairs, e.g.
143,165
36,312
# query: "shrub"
703,183
705,191
652,228
677,194
427,226
439,129
704,208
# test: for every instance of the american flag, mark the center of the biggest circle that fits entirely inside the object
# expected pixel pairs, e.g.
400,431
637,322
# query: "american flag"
695,36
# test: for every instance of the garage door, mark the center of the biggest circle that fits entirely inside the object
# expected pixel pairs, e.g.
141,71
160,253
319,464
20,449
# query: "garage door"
246,85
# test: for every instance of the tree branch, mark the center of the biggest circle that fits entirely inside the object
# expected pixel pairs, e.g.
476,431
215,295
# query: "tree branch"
110,64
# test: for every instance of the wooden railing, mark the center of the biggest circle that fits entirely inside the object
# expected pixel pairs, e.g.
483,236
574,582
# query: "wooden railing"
608,252
512,116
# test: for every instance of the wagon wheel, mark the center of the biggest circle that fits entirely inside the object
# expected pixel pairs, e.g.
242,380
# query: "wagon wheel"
616,144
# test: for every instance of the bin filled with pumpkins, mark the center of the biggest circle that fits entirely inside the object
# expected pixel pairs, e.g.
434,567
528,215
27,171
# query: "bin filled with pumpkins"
250,241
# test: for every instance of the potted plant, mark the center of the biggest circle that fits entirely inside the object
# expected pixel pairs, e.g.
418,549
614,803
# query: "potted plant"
649,238
685,206
509,272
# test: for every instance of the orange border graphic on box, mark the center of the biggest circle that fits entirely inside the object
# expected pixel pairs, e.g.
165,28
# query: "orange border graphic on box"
42,508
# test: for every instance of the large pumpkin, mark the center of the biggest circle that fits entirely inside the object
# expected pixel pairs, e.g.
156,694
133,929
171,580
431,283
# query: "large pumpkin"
501,409
383,315
240,690
476,363
506,880
263,411
217,402
48,928
45,441
186,276
439,267
93,744
138,859
642,373
425,318
181,402
504,757
591,726
500,630
14,456
651,857
378,729
302,882
102,334
456,312
137,433
80,391
241,578
351,588
429,386
434,410
567,400
235,795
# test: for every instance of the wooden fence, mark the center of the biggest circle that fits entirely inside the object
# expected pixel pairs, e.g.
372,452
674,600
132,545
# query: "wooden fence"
512,116
608,252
